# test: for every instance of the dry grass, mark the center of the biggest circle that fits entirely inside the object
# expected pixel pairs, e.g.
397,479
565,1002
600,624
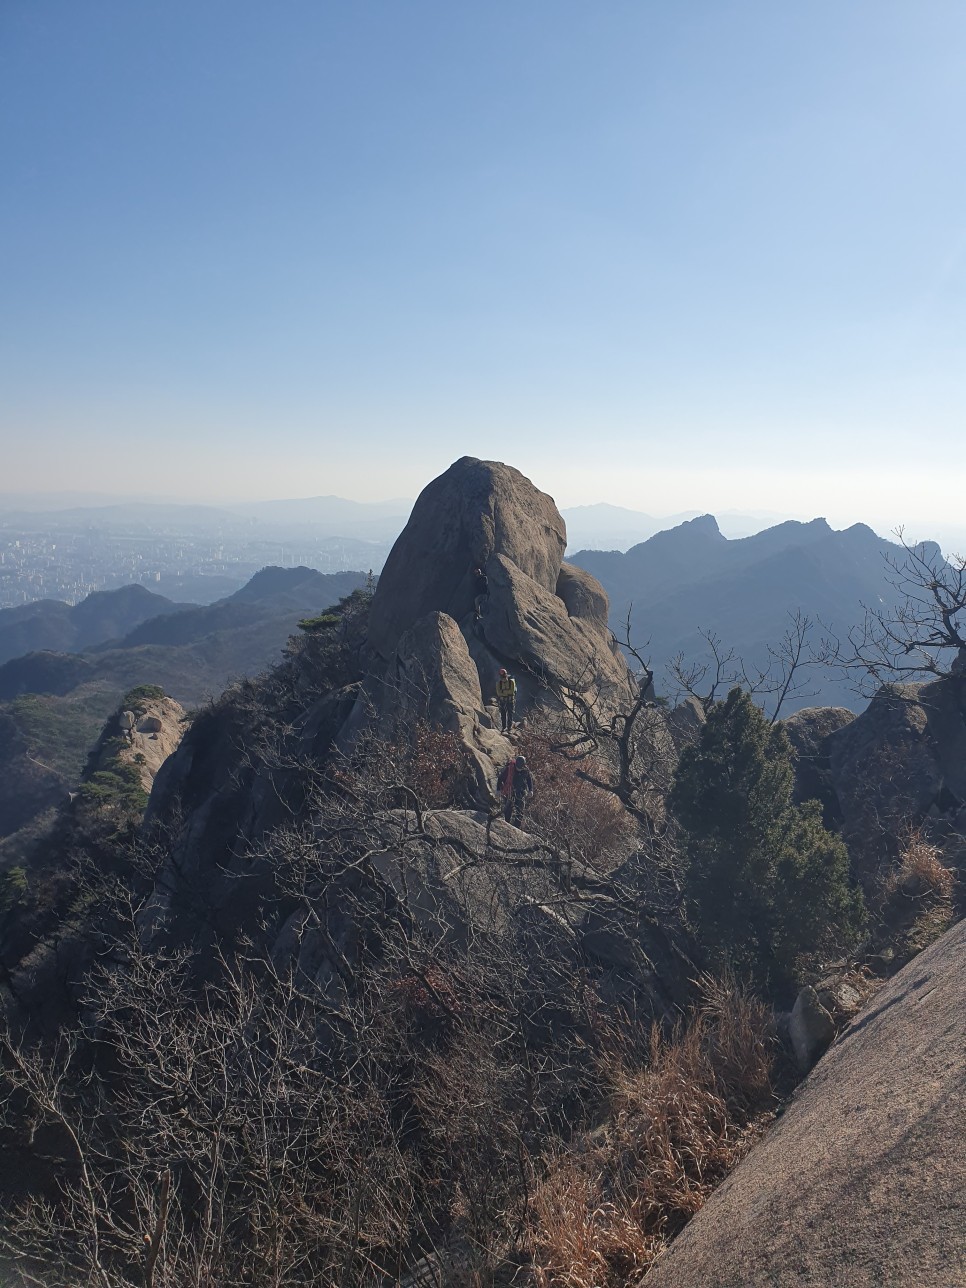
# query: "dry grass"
676,1127
921,870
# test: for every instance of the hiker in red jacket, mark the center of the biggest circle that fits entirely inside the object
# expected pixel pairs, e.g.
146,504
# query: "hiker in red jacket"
516,787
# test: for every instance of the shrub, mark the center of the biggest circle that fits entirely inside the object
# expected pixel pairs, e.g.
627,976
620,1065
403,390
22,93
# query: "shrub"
577,818
13,887
427,761
142,693
118,787
767,887
325,621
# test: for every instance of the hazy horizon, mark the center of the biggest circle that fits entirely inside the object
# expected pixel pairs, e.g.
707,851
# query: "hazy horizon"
950,536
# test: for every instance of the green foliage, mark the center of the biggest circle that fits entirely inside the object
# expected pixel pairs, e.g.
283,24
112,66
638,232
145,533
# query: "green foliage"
323,622
345,613
767,886
142,693
59,731
13,887
118,785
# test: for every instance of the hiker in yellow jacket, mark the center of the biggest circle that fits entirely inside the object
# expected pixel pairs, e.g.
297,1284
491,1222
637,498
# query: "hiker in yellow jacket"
506,696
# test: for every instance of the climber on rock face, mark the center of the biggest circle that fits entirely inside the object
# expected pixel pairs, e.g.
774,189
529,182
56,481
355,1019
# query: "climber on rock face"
506,695
516,787
481,591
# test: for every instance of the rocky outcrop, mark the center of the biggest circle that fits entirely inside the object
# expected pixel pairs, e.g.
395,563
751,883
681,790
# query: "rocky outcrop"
583,596
808,731
810,1028
685,722
431,656
144,737
475,510
862,1181
432,678
547,648
155,735
900,763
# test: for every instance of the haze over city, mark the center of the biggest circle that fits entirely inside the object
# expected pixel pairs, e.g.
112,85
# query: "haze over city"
699,257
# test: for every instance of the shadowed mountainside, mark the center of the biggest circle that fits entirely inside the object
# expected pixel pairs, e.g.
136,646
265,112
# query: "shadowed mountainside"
49,624
691,579
53,705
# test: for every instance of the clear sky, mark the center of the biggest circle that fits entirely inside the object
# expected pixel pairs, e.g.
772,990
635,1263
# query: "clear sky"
696,255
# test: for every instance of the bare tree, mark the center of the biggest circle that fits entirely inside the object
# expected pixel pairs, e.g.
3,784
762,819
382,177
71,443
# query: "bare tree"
780,679
923,633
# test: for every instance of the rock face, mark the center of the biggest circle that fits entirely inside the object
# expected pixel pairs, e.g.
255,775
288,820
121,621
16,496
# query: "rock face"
862,1181
473,511
901,762
808,732
543,620
432,677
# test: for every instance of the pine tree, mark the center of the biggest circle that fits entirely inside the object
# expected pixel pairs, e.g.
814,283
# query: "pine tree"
766,884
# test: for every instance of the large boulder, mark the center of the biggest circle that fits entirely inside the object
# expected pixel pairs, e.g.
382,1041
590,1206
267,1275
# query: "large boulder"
583,596
862,1181
901,761
431,657
810,1028
475,510
432,678
550,650
808,731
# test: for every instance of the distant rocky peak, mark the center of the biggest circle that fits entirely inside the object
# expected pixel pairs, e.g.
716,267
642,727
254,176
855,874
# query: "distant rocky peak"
704,523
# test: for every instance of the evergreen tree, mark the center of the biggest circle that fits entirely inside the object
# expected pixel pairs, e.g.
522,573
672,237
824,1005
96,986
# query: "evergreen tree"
766,884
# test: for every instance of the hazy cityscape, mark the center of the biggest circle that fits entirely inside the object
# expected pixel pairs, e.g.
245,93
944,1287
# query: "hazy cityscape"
67,556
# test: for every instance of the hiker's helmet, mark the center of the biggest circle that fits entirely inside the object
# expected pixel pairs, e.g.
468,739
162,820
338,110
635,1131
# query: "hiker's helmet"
521,762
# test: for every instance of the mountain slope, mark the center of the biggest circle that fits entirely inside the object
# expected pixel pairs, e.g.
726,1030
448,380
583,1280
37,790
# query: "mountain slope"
53,704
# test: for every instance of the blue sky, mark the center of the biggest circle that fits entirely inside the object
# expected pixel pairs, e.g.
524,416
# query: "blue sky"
675,256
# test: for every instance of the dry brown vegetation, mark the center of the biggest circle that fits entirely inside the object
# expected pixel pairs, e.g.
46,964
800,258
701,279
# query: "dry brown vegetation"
583,822
431,762
675,1127
921,869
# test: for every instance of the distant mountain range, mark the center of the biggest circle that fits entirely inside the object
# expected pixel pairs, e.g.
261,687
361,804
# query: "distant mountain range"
54,700
691,578
612,527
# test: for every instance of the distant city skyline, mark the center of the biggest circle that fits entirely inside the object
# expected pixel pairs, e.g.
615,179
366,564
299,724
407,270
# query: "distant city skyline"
704,257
